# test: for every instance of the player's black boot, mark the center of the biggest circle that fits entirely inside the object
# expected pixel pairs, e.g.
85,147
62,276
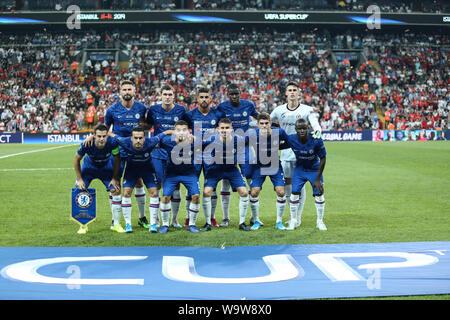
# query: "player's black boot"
243,227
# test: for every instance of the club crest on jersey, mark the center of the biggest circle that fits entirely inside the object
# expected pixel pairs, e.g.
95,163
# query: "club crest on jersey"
83,199
137,116
213,122
244,113
146,154
175,118
311,151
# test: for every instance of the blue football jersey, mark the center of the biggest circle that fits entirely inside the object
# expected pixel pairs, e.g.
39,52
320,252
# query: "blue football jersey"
139,157
265,145
198,121
95,157
181,157
124,120
220,156
308,155
239,116
162,120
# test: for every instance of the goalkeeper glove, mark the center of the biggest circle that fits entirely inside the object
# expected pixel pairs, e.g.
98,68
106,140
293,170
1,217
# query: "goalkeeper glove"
317,134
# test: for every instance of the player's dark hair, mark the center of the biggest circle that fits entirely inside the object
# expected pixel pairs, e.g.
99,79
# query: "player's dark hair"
167,87
125,82
181,123
263,116
100,127
293,83
202,90
224,120
137,129
301,121
233,86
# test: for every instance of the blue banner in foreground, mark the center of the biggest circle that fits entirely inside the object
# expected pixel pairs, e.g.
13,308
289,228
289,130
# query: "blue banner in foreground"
250,272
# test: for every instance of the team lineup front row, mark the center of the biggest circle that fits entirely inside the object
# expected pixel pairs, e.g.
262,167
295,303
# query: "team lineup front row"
185,145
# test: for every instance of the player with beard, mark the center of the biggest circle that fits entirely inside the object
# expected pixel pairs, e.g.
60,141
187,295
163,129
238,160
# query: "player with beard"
123,116
203,121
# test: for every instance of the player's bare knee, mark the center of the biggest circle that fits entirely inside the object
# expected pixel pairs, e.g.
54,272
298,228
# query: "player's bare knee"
165,199
207,192
254,192
195,198
115,192
280,192
243,192
153,192
127,192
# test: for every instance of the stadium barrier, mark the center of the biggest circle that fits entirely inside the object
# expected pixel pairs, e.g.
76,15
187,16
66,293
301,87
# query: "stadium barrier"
353,135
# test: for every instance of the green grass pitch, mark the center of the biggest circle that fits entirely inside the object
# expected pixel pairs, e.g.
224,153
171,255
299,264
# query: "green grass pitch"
375,192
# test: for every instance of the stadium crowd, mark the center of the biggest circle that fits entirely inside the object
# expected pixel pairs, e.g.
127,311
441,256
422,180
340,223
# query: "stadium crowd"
397,6
404,79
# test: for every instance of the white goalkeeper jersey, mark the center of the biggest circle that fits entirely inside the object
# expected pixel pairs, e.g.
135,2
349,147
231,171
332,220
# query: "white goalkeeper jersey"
286,119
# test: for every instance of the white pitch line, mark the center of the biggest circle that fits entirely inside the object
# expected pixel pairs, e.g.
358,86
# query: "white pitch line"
31,151
34,169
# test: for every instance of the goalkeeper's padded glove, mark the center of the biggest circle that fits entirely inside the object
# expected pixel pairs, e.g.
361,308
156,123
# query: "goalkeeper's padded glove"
317,134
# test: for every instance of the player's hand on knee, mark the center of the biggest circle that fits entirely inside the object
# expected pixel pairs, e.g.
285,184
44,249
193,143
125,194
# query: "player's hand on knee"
319,186
116,184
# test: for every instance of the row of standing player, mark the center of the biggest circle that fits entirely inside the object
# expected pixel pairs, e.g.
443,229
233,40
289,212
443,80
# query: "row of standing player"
127,114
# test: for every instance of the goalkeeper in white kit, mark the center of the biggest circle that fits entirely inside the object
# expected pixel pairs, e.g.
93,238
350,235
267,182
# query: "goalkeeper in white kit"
286,116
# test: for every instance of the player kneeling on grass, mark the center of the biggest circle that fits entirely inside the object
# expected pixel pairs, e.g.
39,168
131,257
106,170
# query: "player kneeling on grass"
180,169
224,152
311,158
267,142
138,149
101,161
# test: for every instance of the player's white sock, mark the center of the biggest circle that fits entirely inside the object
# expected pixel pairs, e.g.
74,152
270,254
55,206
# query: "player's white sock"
188,204
165,213
213,205
193,213
116,208
302,200
243,206
175,204
126,209
320,207
294,203
139,196
288,189
254,207
110,204
280,205
207,201
225,195
153,209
